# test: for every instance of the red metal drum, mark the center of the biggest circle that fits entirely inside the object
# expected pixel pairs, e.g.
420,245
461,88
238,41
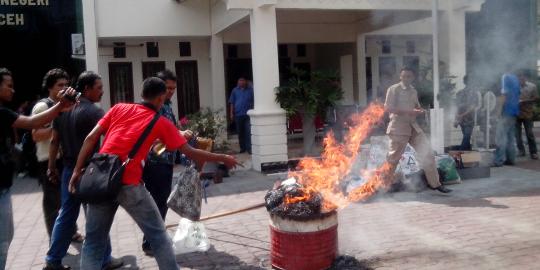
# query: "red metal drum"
303,245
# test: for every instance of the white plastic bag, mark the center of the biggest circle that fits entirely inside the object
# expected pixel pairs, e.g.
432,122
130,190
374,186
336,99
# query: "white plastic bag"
190,236
408,163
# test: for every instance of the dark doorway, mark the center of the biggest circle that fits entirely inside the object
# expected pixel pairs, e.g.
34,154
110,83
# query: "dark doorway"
188,87
150,69
306,67
369,80
234,69
121,82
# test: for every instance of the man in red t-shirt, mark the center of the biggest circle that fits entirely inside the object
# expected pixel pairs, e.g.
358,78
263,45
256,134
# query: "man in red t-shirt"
122,126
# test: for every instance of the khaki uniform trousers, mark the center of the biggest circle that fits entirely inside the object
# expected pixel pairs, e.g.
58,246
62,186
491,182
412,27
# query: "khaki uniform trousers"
424,153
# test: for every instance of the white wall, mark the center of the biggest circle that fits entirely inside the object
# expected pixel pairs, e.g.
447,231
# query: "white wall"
297,33
156,18
169,53
223,18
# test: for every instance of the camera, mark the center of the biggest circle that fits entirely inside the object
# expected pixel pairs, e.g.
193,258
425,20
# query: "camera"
73,97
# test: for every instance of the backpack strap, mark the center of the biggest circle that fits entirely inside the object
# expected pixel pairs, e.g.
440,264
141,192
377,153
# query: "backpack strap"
143,137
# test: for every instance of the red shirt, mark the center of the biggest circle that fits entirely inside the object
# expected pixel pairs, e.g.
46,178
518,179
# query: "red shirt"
124,124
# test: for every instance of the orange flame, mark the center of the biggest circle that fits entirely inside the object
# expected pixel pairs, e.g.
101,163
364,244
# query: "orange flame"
326,174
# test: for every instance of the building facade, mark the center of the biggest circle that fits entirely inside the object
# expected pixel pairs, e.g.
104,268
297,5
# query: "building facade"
210,43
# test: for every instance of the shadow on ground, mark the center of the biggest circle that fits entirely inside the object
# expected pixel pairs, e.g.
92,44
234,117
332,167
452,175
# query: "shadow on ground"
213,259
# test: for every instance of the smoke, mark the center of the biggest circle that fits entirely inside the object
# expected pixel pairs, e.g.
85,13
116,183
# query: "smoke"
500,38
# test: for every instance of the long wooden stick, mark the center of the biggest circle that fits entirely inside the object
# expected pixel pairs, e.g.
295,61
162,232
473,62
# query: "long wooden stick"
228,213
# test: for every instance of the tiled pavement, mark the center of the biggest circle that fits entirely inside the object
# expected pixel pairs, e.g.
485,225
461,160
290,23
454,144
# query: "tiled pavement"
485,224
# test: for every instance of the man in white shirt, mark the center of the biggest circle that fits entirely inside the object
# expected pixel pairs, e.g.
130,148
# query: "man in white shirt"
54,81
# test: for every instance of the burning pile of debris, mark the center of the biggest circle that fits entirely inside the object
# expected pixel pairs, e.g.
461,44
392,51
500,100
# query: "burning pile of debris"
293,201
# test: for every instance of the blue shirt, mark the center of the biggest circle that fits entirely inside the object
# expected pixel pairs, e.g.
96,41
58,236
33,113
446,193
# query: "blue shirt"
511,89
166,157
242,100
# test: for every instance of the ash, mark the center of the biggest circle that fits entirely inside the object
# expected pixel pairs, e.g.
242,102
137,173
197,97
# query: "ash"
346,262
301,210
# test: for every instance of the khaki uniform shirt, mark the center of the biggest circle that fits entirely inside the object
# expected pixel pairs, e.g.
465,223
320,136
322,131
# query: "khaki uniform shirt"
528,92
402,98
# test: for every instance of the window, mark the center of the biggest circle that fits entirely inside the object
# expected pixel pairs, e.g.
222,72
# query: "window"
150,69
232,51
121,82
188,87
386,46
412,62
301,50
282,50
152,49
185,49
411,46
119,50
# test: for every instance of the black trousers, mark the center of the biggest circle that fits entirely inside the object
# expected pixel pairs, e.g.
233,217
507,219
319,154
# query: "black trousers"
51,195
157,179
528,125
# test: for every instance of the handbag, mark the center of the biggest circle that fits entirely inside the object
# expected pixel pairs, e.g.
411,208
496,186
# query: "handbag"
186,196
102,178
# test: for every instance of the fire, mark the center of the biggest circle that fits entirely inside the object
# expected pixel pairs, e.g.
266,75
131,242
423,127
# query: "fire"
326,174
306,194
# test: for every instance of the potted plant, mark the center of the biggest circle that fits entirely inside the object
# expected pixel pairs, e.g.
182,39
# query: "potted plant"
309,95
206,125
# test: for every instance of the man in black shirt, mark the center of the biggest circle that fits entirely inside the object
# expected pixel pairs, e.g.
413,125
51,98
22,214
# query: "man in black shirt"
9,120
69,132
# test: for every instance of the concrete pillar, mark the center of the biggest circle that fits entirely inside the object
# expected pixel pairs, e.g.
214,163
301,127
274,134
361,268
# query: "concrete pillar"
268,132
361,67
218,73
457,65
90,35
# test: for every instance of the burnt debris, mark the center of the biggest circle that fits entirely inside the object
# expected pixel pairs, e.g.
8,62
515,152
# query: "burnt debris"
292,200
346,262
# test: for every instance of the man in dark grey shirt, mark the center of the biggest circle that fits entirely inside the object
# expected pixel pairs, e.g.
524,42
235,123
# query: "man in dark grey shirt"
69,131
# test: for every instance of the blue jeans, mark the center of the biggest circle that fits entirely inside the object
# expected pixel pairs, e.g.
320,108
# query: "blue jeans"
466,130
505,138
66,223
138,203
243,127
6,225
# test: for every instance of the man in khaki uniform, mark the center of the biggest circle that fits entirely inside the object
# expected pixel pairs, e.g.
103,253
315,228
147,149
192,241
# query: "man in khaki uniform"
403,106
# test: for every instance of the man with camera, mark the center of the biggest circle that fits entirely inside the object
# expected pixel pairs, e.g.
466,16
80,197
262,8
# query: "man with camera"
9,120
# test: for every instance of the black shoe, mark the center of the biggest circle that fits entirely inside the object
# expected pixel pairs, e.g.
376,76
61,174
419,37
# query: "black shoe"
521,154
509,163
242,151
148,251
443,189
49,266
496,165
113,264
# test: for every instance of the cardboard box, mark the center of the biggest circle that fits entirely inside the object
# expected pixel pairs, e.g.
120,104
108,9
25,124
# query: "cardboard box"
470,159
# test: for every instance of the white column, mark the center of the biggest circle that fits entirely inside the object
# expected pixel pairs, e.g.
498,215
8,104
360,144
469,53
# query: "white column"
90,35
268,132
437,126
217,62
361,67
457,56
218,73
